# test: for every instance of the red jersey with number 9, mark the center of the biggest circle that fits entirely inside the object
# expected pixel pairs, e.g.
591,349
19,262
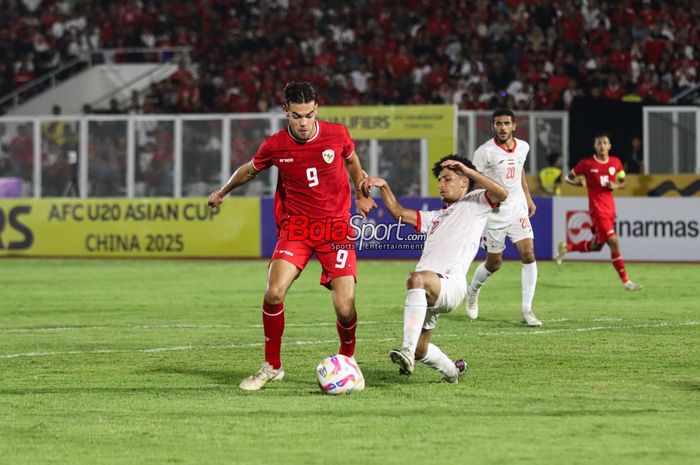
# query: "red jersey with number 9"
313,180
598,174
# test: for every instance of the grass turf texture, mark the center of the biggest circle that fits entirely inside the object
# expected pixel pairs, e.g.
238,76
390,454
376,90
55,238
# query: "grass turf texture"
120,362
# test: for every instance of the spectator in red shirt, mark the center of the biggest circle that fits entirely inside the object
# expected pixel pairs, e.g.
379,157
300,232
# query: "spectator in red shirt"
647,13
23,75
656,46
613,91
543,97
559,80
620,58
22,152
402,63
599,39
182,76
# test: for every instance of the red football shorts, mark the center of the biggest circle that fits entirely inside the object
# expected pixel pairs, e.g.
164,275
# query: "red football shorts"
337,257
603,225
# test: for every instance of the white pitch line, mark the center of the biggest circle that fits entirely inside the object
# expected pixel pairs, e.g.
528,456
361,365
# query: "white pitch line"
54,329
530,332
58,329
526,332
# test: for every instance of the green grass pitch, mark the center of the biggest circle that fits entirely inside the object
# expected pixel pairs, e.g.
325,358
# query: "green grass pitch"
138,362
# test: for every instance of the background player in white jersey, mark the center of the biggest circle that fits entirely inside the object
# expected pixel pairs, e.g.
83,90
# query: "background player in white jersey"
503,159
439,283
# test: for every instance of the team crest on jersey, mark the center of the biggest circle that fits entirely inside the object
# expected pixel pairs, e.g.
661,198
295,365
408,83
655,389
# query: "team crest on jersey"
611,170
329,155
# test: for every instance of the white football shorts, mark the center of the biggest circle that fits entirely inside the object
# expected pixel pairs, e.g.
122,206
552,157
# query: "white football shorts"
453,290
494,240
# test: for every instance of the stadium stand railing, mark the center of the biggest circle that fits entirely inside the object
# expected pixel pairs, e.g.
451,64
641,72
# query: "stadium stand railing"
190,155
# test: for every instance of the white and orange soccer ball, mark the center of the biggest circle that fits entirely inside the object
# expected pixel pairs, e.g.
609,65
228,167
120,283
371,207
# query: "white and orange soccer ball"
339,375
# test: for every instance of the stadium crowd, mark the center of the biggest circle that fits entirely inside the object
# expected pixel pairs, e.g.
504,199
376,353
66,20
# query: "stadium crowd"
530,54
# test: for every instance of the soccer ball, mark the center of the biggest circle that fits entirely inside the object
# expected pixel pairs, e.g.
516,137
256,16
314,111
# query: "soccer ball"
337,375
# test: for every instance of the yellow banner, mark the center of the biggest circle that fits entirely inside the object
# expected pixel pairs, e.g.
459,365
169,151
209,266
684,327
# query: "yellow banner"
436,123
140,227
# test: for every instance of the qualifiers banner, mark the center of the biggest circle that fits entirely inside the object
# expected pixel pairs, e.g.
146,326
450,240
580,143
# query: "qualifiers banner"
141,227
649,229
436,123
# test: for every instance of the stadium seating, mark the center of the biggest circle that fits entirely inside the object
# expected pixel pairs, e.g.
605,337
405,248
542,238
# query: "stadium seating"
527,54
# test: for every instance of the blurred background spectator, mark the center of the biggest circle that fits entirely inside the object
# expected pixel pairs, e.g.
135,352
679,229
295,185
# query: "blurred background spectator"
550,176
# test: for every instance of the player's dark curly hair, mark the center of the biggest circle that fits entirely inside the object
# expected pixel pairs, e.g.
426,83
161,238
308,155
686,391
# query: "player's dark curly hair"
299,92
437,167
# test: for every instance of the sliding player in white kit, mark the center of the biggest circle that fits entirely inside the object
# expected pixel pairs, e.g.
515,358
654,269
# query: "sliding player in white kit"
439,284
503,159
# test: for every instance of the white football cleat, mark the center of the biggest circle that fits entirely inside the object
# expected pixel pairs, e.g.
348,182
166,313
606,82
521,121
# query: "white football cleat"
561,252
460,368
360,384
472,303
630,286
404,359
264,375
529,319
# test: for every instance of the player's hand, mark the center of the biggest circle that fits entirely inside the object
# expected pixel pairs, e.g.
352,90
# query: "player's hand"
363,187
215,199
456,166
365,205
369,182
531,208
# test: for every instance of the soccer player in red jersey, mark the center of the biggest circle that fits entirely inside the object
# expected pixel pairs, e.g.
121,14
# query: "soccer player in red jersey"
313,158
600,174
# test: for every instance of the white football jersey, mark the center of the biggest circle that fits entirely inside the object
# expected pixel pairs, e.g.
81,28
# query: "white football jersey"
506,168
453,234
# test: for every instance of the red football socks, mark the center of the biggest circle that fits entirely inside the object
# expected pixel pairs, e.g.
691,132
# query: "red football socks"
619,264
346,332
273,327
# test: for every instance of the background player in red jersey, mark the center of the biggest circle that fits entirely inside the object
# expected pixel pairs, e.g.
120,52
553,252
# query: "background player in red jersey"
600,174
314,159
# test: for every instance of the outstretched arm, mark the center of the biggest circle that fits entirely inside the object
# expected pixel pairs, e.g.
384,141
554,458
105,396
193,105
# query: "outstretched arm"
574,180
364,202
242,175
397,210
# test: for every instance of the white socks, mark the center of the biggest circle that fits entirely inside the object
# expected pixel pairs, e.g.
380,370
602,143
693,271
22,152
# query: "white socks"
528,276
413,317
529,280
437,360
480,276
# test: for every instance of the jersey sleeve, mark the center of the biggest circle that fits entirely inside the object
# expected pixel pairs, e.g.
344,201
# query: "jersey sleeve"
579,168
348,143
620,170
262,158
485,199
425,218
479,159
479,198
